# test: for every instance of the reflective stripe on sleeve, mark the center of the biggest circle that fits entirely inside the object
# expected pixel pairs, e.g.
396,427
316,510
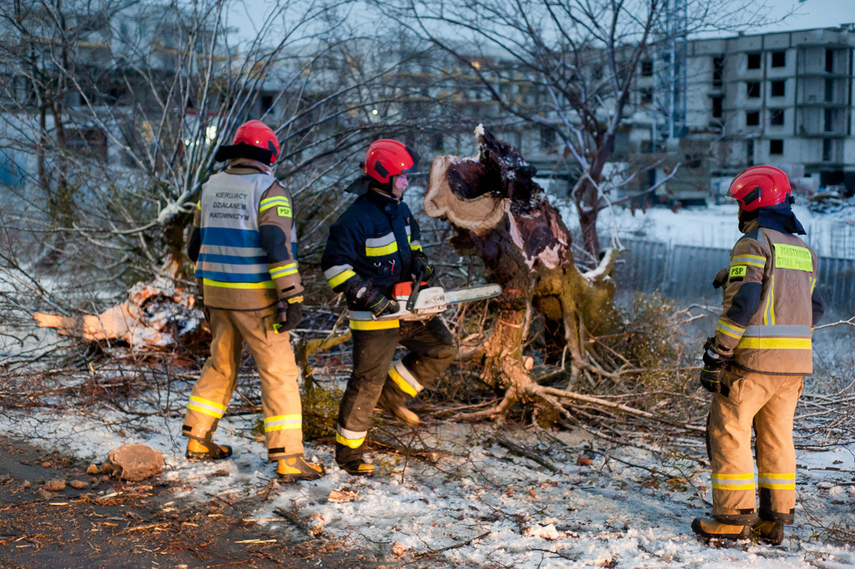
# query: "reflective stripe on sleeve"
206,407
730,329
273,202
283,422
339,274
415,246
751,260
351,439
283,271
404,379
733,481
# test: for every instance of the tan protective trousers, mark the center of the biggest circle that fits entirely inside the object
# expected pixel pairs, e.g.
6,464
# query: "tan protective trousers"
768,403
280,396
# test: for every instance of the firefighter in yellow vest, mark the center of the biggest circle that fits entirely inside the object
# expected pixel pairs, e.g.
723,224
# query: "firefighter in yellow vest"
244,244
755,363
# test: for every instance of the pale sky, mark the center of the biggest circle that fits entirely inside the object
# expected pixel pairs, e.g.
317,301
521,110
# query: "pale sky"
805,14
810,14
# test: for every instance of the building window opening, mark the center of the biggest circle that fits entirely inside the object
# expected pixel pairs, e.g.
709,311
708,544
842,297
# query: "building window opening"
779,88
754,61
752,118
646,67
829,61
776,146
779,59
718,72
829,122
776,117
717,111
753,89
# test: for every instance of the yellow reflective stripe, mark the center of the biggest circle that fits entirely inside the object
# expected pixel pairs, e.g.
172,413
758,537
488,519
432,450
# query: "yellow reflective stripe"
283,422
778,486
401,382
380,251
340,278
199,205
733,481
812,284
295,299
755,343
273,202
769,313
208,402
283,271
374,324
752,260
733,486
351,443
730,329
792,257
206,407
775,481
265,284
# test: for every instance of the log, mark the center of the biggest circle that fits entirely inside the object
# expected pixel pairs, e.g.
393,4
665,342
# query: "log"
155,314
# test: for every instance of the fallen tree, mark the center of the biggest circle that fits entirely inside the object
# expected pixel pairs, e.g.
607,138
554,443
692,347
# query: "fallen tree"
502,216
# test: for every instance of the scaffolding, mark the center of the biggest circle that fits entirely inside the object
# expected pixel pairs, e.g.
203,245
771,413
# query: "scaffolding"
669,69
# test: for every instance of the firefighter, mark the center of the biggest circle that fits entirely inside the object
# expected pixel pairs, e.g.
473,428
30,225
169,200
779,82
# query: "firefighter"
244,244
371,247
755,363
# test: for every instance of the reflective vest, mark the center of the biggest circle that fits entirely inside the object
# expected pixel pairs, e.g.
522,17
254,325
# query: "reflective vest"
768,312
232,266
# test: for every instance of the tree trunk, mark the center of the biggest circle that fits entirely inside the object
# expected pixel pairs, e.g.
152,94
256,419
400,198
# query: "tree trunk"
502,216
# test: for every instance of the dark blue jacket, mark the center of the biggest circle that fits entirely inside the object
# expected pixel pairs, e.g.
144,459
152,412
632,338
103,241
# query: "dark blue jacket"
372,245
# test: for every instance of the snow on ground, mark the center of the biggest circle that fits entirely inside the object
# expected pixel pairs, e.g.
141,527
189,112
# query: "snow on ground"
627,508
831,233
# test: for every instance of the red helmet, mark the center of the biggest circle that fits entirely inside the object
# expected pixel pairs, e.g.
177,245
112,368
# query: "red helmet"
760,186
386,158
254,140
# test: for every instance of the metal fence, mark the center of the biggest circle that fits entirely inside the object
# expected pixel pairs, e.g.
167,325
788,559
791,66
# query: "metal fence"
685,273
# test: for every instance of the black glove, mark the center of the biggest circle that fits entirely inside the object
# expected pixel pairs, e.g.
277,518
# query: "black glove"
379,305
288,316
714,362
420,266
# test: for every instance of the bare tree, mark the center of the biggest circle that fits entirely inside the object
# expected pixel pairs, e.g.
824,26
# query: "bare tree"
121,105
569,67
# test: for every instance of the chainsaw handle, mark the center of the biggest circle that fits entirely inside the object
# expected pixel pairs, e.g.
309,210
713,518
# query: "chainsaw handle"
411,300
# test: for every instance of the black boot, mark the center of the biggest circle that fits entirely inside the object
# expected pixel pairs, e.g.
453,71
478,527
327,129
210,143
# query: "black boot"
768,532
350,460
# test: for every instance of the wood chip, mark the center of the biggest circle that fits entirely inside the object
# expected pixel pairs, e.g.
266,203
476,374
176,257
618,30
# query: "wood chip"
343,496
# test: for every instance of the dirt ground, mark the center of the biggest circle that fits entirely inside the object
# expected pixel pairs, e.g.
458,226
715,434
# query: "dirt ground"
128,525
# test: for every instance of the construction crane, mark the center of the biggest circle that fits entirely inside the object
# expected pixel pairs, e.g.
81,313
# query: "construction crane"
669,69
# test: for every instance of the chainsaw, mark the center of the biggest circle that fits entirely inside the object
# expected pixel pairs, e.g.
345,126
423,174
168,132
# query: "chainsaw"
417,303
